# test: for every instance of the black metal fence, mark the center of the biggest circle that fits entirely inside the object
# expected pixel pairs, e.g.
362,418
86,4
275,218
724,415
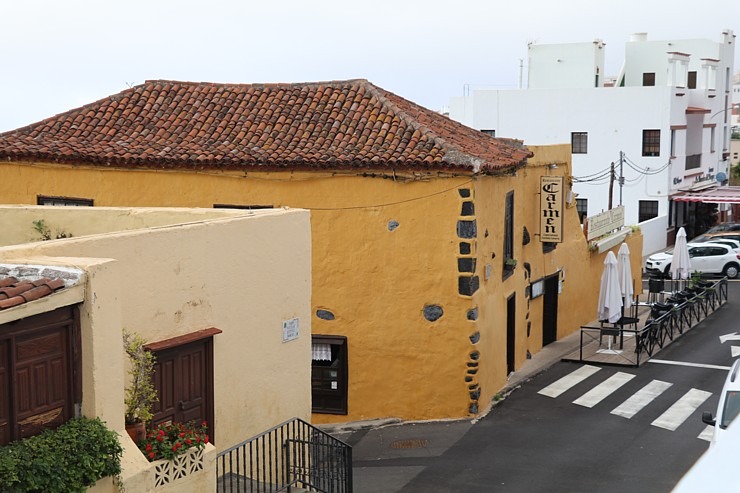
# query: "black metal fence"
293,454
664,323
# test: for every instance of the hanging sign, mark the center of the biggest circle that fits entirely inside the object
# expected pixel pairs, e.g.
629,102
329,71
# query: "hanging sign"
605,222
551,207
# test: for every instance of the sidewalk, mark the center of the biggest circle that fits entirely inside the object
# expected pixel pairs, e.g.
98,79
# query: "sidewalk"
388,453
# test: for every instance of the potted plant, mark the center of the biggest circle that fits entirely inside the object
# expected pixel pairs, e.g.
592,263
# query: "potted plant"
510,263
140,393
169,440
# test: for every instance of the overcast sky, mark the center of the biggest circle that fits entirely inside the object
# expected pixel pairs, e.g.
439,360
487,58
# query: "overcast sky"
60,54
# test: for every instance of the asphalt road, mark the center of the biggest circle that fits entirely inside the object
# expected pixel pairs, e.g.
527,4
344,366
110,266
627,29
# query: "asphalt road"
533,442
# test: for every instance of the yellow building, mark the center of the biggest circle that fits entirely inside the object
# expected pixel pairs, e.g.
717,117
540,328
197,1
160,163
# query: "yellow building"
430,284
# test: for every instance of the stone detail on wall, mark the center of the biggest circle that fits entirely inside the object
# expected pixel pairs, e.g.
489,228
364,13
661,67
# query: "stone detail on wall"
466,264
467,285
392,225
432,312
324,314
467,229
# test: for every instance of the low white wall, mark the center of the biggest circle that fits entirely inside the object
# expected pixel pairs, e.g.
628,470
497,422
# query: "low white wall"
654,235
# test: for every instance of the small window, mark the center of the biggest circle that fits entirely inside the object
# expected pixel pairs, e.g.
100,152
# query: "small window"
651,142
648,209
712,138
648,79
492,133
673,142
329,374
63,201
579,142
582,208
692,80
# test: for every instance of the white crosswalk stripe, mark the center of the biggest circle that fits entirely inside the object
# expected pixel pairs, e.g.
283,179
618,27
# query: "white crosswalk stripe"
558,387
682,409
641,398
707,433
603,390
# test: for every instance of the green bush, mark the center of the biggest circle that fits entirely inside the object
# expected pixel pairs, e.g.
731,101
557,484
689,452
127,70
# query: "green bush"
65,460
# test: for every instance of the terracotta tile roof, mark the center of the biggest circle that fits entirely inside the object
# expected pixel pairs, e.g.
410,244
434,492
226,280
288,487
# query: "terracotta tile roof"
14,292
341,124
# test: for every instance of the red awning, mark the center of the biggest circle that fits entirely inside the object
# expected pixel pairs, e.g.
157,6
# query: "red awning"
719,195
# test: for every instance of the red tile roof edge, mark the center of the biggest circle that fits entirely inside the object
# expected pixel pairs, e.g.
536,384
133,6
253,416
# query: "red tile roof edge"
17,292
472,157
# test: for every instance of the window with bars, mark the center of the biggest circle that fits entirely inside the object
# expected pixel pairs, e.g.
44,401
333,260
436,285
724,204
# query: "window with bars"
579,142
63,201
651,143
648,209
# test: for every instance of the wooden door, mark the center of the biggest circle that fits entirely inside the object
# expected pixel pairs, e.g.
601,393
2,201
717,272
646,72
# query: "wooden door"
39,373
183,378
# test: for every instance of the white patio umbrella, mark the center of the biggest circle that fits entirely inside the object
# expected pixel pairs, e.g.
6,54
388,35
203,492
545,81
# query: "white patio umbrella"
681,263
624,269
610,294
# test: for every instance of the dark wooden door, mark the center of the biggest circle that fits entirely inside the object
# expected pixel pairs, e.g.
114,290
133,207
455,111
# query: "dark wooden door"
183,378
550,310
511,334
38,373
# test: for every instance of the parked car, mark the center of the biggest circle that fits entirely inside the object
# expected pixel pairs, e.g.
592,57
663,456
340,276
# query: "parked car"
721,228
729,404
707,258
732,243
725,235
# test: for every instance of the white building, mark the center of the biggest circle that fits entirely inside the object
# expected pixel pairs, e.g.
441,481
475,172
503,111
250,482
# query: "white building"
664,122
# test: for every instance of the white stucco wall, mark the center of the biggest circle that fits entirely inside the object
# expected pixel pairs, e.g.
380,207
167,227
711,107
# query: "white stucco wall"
243,274
614,118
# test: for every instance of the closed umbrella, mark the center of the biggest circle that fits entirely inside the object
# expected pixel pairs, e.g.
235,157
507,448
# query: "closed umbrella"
610,294
680,263
624,268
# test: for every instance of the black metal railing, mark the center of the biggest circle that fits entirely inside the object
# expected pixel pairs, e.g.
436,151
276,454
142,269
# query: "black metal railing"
293,454
660,328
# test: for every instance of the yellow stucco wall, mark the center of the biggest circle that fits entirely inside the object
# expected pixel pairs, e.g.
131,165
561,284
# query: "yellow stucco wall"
244,274
376,281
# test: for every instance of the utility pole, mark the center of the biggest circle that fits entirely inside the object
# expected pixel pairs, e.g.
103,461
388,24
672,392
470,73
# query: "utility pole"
621,175
611,185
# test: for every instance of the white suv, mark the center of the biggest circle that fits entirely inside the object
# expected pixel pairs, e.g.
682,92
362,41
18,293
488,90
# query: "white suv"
707,258
729,404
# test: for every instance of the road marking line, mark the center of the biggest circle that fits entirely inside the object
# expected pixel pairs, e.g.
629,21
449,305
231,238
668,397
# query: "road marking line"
707,433
603,390
641,398
684,363
558,387
681,409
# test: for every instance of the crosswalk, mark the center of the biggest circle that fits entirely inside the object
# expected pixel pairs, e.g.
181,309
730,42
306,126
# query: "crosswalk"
671,418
